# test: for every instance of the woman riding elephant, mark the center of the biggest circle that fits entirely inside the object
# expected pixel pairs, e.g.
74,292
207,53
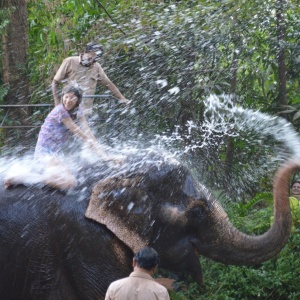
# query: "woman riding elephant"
58,125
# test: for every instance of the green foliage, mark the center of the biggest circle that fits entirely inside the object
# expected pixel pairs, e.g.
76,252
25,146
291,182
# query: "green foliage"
3,92
243,209
58,29
4,21
4,17
189,44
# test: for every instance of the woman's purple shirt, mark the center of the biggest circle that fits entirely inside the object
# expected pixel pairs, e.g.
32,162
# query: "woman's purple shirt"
53,133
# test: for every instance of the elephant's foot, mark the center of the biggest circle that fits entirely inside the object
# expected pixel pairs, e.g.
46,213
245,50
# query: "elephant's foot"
7,183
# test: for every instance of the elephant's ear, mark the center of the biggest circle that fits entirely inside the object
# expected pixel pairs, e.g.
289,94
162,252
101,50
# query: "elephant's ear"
124,207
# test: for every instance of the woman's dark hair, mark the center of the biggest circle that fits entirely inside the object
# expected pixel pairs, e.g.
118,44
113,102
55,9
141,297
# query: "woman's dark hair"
147,258
296,181
77,91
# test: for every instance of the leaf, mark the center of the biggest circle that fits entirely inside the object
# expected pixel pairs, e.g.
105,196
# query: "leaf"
287,111
296,115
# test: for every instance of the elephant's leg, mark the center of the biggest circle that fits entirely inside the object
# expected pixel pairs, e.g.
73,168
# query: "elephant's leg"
62,288
97,261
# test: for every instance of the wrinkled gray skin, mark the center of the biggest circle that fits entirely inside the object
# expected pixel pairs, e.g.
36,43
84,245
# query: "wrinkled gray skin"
50,250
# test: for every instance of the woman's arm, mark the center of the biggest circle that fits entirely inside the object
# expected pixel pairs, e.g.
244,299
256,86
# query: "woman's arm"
86,128
93,143
86,136
70,124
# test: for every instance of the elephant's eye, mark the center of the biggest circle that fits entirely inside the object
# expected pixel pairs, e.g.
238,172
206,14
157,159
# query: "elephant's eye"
198,213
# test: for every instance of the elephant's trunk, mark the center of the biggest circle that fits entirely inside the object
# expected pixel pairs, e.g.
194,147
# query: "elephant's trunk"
228,245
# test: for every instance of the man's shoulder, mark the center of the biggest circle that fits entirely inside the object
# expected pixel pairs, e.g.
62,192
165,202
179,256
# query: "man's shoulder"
158,286
119,282
97,65
71,59
160,291
147,281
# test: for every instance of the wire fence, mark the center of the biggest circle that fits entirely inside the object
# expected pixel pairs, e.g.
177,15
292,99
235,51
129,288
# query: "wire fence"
20,123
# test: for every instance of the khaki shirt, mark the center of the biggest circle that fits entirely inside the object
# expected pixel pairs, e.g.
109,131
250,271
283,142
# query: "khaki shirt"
72,71
138,286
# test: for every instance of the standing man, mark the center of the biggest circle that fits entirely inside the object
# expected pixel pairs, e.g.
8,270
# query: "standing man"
140,285
85,71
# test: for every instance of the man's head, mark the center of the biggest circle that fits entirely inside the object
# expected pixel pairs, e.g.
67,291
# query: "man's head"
94,47
92,53
147,259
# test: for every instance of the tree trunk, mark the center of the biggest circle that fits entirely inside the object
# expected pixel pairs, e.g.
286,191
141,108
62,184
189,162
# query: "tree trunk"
282,98
14,51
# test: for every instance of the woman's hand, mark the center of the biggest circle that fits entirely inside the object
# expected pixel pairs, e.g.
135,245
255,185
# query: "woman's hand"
104,156
125,101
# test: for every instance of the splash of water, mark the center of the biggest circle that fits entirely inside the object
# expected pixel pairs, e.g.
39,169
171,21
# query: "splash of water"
222,118
28,171
267,141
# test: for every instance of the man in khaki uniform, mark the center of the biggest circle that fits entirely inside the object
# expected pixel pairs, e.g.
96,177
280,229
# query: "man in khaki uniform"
140,285
85,71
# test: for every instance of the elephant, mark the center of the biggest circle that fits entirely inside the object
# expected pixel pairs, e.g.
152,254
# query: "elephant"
72,245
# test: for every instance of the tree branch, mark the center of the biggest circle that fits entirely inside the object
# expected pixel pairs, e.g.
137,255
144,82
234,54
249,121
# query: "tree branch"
109,16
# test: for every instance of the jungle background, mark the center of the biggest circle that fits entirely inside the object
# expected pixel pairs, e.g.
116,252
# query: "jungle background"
247,49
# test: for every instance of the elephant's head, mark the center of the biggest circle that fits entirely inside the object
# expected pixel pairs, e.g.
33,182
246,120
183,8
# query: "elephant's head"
166,208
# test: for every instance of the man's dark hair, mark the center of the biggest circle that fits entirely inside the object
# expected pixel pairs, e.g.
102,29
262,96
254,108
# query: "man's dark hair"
94,47
147,258
78,93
